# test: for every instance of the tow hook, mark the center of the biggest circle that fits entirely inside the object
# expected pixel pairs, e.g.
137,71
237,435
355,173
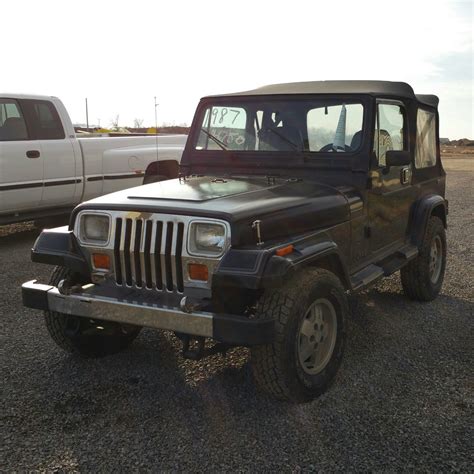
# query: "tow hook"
194,347
66,287
187,305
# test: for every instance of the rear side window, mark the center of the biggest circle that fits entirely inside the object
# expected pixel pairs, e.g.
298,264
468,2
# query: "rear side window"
425,151
12,122
43,119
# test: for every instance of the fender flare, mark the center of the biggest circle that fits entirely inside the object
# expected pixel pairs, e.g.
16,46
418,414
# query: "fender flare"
260,269
59,247
324,254
425,208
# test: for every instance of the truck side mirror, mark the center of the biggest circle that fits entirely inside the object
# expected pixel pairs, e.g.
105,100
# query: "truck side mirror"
397,158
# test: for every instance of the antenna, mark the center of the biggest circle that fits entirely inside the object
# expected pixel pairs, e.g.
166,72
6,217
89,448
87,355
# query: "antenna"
87,115
156,130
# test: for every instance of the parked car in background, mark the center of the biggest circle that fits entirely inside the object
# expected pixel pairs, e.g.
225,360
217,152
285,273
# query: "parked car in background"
45,170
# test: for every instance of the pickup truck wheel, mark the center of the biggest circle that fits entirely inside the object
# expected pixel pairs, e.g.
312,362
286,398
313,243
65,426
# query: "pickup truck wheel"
88,338
154,178
310,312
422,278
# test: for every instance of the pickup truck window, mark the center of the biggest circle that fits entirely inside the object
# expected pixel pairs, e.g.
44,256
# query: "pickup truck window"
425,150
256,125
43,119
389,130
12,123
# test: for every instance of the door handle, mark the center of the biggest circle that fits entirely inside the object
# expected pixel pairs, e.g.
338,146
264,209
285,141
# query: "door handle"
405,175
33,154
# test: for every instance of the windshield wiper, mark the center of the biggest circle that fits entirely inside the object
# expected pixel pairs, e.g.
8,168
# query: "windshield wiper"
287,140
215,140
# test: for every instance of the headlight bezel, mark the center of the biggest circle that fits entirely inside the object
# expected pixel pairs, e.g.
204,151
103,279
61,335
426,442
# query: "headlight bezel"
80,231
192,247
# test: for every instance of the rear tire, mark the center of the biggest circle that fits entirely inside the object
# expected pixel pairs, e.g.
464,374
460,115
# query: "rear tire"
310,312
88,338
423,277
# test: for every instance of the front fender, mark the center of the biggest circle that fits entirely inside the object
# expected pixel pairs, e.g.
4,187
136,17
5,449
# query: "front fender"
59,247
262,268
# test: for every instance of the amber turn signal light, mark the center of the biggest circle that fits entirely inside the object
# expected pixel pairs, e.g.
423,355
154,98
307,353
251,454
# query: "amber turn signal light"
285,250
198,271
101,261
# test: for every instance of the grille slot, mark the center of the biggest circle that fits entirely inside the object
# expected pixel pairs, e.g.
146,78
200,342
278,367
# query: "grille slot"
126,251
118,264
147,254
179,249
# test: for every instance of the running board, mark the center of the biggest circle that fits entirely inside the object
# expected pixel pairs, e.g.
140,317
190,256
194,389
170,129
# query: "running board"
366,276
400,258
385,267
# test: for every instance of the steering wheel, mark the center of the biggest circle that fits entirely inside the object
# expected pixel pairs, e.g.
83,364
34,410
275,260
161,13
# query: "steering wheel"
329,147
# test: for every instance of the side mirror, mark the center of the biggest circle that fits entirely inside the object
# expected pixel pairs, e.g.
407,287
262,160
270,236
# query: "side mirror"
397,158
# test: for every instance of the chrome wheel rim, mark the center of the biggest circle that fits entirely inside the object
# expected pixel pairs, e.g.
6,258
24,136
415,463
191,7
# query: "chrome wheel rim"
317,336
436,259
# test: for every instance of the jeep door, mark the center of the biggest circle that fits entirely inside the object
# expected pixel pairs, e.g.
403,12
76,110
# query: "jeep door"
390,188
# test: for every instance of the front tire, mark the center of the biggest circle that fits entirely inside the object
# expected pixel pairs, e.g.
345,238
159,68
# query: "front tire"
423,277
310,312
88,338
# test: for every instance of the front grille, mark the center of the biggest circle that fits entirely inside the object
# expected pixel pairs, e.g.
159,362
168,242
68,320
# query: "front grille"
147,254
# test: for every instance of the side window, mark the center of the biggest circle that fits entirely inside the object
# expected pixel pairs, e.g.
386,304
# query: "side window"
389,130
425,149
12,123
44,119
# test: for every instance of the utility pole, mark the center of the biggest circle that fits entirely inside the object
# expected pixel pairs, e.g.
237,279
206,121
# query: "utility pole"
87,115
156,129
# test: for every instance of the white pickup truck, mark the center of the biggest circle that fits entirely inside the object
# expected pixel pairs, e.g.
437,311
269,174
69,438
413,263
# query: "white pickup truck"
45,170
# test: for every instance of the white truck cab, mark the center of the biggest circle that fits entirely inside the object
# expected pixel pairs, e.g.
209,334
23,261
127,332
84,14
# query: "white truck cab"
46,170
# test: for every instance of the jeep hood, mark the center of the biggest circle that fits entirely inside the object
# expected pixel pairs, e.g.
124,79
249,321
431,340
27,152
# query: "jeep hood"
285,207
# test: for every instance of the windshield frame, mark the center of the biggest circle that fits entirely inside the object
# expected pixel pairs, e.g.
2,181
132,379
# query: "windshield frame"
279,159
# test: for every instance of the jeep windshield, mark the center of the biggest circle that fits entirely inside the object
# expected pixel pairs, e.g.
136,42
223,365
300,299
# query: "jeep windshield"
263,125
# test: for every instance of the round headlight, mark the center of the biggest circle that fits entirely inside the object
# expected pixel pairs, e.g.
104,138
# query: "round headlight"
95,228
207,239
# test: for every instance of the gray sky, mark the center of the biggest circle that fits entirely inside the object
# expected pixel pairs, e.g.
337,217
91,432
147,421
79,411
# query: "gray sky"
121,54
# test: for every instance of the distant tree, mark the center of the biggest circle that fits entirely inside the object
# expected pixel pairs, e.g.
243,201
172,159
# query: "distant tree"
115,121
137,123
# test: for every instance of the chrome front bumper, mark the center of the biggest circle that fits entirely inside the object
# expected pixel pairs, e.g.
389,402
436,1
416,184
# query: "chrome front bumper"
231,329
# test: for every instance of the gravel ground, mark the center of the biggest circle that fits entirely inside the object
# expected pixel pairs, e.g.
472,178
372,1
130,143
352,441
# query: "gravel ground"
402,399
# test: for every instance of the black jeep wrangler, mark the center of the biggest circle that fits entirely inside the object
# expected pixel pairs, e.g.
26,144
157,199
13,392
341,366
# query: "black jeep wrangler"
290,196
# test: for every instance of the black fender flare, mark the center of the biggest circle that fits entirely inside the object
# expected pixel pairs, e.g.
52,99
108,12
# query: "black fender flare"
168,168
59,246
262,268
324,254
429,205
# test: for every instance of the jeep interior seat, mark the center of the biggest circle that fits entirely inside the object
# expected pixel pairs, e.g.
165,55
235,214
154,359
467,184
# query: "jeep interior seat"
272,137
356,140
14,128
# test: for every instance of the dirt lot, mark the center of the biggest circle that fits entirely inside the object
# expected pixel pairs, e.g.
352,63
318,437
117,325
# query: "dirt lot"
402,400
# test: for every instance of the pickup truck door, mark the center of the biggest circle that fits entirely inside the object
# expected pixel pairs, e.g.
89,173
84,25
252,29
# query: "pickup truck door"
21,163
60,179
391,192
